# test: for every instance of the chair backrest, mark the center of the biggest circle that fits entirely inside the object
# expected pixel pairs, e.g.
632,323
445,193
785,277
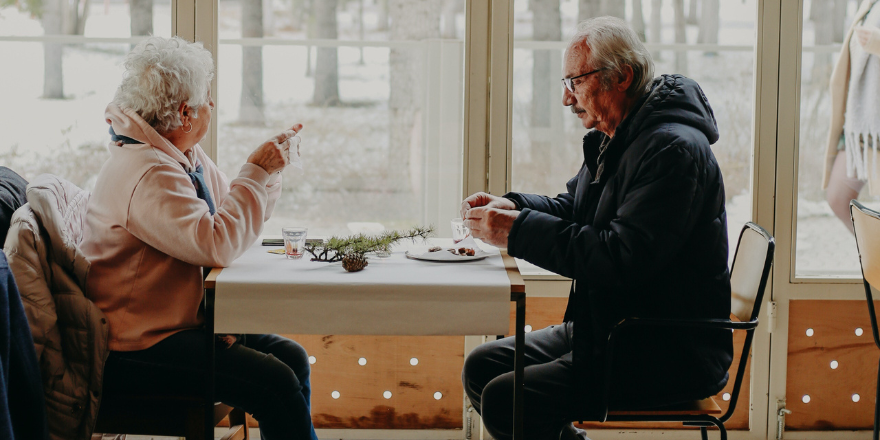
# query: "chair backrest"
866,227
750,270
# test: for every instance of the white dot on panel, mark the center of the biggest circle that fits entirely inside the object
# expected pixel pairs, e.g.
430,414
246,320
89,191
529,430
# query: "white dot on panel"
438,395
856,397
528,328
335,394
414,361
834,365
806,398
387,394
725,397
809,332
312,359
859,331
362,361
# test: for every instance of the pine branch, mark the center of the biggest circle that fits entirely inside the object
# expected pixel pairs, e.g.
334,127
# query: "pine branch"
336,248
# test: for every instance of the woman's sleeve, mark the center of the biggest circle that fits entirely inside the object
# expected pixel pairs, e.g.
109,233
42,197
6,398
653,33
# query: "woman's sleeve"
165,213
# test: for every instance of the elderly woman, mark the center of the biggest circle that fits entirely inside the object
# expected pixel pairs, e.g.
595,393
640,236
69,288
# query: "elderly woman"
160,212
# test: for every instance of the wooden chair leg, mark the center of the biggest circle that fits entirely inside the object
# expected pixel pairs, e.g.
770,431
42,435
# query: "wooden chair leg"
239,417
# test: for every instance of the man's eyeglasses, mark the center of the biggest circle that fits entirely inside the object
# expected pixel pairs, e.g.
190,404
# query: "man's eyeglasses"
568,81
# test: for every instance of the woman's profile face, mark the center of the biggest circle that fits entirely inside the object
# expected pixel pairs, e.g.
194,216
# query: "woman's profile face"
201,124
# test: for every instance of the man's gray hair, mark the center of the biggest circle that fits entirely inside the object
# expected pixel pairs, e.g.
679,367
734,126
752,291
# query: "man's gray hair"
614,44
160,74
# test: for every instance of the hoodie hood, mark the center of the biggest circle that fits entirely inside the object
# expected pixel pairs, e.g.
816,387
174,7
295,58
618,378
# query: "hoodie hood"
673,99
128,123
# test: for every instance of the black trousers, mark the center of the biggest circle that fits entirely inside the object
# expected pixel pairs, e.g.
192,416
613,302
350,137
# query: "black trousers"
550,398
265,375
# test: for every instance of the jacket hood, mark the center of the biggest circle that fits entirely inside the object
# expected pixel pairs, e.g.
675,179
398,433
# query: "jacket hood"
674,99
128,123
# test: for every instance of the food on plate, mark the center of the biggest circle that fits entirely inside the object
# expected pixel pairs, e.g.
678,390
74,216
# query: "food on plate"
435,249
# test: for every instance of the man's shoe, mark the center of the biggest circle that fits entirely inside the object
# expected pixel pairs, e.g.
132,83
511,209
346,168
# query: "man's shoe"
569,432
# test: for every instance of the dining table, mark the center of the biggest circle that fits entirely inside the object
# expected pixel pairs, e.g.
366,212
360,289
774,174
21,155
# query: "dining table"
264,292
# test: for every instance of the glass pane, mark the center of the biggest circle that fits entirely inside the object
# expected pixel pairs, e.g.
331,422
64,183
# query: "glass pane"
825,246
53,120
378,86
547,139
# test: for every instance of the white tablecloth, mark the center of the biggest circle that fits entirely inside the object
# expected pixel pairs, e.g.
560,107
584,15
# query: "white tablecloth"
267,293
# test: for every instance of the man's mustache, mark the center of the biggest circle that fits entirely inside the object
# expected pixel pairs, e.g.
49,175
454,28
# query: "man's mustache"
575,109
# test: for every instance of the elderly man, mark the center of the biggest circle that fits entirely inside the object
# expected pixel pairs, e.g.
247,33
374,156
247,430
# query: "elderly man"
642,231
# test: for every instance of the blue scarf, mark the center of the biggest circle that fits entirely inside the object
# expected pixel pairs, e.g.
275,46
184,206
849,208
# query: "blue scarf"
197,176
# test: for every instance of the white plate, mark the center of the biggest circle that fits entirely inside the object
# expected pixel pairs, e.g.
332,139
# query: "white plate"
445,256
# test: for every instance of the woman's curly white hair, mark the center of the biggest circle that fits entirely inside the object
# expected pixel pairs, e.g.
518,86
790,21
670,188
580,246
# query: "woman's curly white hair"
160,74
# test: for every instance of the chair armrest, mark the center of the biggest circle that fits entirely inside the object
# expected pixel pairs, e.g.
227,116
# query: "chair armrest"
718,324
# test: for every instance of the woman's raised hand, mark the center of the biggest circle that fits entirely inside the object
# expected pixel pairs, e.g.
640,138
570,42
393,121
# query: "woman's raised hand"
275,153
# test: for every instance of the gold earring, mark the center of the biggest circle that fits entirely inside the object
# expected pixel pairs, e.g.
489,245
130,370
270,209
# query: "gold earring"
190,128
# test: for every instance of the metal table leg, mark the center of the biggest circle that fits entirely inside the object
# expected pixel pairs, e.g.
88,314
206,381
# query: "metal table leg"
518,368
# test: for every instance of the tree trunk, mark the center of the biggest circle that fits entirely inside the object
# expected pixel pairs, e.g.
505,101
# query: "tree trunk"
411,20
692,12
710,24
823,29
383,15
251,105
53,53
588,9
839,20
546,26
656,26
141,17
326,63
268,19
614,8
681,64
450,11
638,19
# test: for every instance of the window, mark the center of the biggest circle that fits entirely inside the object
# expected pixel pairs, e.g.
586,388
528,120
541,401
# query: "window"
713,45
379,89
60,71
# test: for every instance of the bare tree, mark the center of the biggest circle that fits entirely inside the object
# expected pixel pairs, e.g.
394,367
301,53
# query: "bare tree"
589,9
692,12
614,8
839,20
710,24
546,26
410,20
251,109
681,64
326,62
141,17
656,26
821,13
53,53
638,19
450,11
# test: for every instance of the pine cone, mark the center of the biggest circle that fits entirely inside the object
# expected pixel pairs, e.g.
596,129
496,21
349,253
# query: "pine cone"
354,262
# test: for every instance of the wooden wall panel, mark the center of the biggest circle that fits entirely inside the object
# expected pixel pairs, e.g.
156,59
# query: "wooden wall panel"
361,404
809,372
542,312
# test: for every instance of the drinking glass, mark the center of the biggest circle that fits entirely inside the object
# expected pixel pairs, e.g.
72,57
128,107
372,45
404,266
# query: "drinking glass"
459,230
294,242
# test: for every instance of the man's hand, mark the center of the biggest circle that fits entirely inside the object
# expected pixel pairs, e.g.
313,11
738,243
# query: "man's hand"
479,199
491,225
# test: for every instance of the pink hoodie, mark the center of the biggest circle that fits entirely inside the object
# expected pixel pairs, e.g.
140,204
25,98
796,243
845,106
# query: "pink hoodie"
148,235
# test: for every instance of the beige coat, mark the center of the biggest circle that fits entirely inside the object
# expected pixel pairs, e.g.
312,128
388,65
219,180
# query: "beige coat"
70,333
839,87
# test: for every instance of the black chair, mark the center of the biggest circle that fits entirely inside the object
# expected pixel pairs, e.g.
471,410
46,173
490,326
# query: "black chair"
193,416
748,278
866,226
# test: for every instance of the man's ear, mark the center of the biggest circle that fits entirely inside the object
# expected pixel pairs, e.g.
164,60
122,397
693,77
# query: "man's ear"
624,78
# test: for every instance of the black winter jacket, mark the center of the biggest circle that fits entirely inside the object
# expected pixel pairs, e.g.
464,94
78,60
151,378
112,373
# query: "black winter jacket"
648,239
